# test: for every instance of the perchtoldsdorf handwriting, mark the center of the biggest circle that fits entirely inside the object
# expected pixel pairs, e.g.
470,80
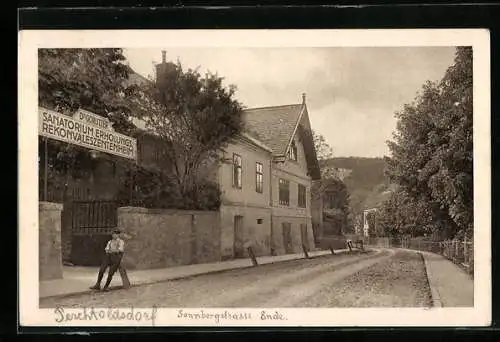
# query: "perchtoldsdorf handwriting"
112,314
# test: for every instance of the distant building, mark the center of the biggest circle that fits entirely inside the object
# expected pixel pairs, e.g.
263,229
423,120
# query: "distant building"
342,173
366,226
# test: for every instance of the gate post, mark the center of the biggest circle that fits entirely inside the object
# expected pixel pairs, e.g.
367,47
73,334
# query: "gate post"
252,256
331,250
50,257
305,251
124,276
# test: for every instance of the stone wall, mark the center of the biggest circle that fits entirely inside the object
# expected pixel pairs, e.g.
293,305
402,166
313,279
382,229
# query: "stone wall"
157,238
49,234
333,241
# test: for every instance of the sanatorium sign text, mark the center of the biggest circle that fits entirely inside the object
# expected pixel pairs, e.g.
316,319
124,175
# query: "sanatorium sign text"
87,130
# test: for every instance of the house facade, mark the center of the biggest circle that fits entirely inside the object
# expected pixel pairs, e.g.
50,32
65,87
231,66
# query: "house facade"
266,184
245,212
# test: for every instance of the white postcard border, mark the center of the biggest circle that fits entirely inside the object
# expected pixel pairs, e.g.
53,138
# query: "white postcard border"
31,40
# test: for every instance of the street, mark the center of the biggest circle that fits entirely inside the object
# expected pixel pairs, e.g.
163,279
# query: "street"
378,278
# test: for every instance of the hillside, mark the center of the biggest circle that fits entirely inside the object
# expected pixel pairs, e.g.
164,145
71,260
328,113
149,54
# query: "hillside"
366,182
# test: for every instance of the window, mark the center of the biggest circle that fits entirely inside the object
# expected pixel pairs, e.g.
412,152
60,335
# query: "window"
259,221
331,201
302,201
237,172
259,177
292,152
284,192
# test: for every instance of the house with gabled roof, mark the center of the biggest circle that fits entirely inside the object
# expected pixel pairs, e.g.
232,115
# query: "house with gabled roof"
267,184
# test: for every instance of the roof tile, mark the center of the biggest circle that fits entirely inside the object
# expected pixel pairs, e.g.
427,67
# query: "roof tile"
273,125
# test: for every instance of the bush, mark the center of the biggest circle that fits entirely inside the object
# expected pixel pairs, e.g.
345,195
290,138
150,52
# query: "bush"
155,190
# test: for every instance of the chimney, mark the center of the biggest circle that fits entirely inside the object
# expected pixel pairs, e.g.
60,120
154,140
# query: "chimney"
164,57
303,98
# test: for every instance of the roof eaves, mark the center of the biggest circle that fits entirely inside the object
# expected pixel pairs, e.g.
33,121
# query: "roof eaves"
267,107
256,142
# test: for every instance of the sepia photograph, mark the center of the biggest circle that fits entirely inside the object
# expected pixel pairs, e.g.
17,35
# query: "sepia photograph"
232,184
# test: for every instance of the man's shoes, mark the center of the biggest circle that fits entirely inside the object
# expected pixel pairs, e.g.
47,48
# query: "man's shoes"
105,289
95,287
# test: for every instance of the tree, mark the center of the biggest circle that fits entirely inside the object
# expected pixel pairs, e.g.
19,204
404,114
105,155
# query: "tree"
324,153
432,148
335,204
92,79
195,118
402,215
323,150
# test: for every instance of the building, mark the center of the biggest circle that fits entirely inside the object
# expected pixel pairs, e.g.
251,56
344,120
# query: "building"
317,211
267,184
366,224
266,181
342,173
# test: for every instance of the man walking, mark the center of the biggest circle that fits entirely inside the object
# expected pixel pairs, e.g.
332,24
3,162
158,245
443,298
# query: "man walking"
112,258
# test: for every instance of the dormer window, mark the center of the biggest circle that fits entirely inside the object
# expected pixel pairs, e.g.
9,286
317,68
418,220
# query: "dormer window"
292,152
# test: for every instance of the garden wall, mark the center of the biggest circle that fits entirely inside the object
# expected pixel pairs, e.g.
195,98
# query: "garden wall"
158,238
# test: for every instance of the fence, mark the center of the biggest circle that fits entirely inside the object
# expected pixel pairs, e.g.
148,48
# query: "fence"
377,241
460,252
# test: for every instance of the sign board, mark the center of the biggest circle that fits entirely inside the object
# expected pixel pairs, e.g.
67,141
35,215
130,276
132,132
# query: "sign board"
88,130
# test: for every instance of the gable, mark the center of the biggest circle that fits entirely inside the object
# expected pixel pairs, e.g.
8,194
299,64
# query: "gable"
278,126
304,133
299,166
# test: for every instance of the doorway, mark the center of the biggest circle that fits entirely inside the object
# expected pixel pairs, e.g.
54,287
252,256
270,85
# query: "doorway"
287,237
239,251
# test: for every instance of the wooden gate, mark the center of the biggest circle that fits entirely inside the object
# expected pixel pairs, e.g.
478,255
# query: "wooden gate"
92,223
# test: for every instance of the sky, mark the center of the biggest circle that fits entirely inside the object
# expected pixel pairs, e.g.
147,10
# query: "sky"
351,93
